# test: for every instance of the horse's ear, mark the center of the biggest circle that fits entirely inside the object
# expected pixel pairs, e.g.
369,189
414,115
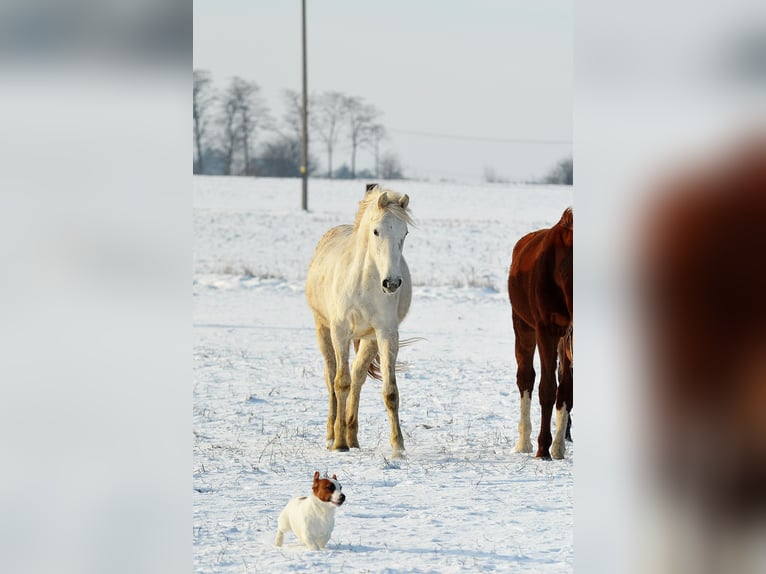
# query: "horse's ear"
567,218
404,201
567,224
370,187
383,200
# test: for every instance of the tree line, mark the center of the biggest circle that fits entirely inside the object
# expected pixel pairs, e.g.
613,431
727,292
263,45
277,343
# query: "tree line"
235,133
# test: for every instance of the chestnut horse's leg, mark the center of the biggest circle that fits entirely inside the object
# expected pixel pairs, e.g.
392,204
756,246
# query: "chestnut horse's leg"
341,339
525,379
547,343
364,356
563,401
388,349
325,346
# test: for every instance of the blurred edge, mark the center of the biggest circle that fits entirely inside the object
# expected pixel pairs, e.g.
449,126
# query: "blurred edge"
95,220
701,282
112,32
666,93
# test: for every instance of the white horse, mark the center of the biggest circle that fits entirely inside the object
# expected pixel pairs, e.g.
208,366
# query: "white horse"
359,289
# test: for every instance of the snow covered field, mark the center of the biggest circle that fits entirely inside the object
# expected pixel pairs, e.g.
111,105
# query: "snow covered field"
462,500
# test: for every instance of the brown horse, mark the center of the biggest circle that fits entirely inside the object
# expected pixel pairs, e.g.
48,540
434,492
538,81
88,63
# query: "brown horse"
540,290
703,278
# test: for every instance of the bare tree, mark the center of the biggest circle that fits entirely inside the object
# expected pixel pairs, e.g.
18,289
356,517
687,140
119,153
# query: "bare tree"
282,156
490,176
377,134
230,131
327,120
243,112
203,97
361,118
253,114
561,174
291,118
390,168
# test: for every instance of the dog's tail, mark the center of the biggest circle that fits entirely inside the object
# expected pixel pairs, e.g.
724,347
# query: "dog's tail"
374,369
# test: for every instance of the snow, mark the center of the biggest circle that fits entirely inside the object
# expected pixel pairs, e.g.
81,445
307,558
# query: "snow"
462,499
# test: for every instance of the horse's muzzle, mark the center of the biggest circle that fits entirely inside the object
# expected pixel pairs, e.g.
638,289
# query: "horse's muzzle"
391,285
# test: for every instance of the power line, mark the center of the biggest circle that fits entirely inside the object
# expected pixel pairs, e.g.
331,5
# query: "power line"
482,139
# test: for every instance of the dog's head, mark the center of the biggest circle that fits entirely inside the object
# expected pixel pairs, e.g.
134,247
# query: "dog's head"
328,489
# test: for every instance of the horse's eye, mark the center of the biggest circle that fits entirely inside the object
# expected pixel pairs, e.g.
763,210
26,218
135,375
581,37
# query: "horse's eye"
375,232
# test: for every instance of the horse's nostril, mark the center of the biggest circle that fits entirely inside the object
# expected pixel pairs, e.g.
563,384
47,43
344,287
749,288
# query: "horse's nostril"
391,285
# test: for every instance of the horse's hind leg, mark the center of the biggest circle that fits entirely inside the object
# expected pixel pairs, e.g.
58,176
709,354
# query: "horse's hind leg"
525,379
388,349
364,356
325,346
546,346
563,402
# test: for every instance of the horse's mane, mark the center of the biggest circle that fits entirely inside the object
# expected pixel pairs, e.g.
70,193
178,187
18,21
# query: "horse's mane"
393,206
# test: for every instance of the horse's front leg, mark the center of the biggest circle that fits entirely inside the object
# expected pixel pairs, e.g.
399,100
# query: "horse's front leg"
364,356
546,347
525,380
341,338
388,349
325,346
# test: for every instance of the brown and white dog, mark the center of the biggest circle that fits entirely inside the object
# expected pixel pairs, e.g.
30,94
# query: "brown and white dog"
311,518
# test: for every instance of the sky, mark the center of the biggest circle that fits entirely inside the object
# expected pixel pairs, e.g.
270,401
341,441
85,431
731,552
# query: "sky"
464,87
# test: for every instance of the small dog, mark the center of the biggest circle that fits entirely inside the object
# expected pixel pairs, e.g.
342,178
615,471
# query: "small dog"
311,518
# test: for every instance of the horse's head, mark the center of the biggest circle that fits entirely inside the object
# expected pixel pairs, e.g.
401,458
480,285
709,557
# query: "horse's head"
383,221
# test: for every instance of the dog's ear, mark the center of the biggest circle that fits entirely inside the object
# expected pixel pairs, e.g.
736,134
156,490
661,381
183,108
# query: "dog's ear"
316,476
334,477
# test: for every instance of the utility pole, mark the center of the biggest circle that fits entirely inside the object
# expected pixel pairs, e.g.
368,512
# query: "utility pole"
304,166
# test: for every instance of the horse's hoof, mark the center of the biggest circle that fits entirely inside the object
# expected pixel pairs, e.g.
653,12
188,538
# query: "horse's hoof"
399,454
558,454
340,448
543,455
524,447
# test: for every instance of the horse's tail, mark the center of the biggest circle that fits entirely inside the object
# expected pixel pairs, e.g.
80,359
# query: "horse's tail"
374,369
